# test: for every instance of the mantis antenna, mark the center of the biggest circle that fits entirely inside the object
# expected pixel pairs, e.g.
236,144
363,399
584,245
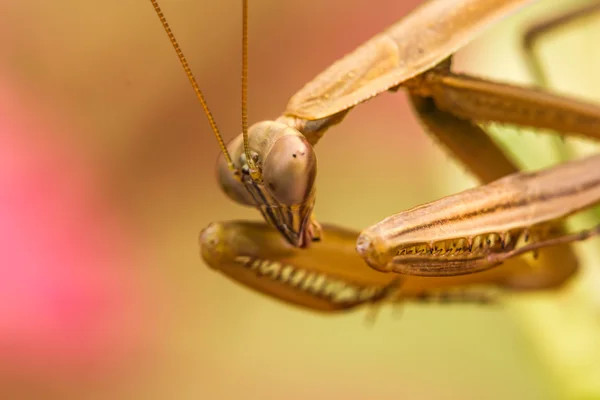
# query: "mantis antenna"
190,75
251,166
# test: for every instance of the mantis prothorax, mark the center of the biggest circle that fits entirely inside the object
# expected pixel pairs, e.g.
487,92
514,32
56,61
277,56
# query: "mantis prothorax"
272,165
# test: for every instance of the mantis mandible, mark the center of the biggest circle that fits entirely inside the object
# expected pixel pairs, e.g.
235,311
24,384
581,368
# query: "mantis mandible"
272,165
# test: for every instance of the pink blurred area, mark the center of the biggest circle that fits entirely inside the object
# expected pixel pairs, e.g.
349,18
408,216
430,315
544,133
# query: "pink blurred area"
72,303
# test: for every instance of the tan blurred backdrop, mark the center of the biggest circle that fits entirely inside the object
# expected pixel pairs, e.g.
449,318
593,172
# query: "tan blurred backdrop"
108,70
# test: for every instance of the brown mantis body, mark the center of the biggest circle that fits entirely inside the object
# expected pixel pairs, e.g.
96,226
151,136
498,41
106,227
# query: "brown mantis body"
272,166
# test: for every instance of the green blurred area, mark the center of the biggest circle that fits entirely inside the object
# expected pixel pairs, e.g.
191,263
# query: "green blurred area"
112,71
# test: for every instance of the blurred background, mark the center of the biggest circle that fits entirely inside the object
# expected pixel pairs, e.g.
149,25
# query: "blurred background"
107,175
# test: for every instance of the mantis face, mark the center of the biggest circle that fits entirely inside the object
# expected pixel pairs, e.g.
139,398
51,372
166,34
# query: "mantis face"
284,191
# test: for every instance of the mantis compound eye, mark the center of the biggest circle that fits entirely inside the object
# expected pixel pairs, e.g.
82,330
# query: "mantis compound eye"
290,169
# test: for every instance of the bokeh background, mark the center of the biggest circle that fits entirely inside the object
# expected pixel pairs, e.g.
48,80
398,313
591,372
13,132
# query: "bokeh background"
107,176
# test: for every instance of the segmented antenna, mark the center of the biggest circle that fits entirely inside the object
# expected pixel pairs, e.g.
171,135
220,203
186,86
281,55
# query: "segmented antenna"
254,173
190,76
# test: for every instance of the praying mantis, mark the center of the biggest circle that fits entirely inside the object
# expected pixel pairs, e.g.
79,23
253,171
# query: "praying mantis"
460,241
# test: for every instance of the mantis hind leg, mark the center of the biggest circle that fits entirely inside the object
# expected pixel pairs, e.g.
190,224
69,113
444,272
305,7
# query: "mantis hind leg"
534,34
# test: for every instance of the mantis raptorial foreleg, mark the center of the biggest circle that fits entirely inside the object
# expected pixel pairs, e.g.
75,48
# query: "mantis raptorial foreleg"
570,188
328,276
476,151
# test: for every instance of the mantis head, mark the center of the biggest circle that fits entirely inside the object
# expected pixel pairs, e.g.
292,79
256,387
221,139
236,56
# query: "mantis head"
282,185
